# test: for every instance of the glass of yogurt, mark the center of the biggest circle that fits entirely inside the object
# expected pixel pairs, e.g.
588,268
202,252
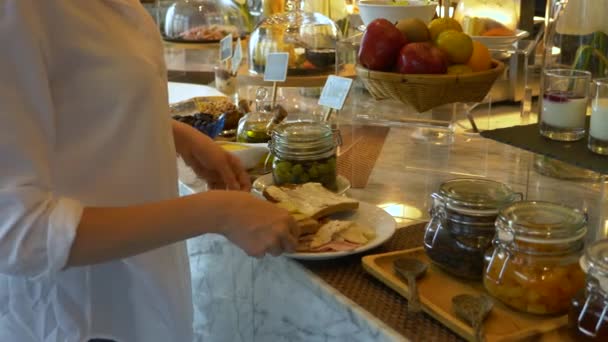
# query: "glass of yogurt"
598,128
564,104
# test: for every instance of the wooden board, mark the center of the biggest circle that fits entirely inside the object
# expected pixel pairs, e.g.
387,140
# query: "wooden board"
436,290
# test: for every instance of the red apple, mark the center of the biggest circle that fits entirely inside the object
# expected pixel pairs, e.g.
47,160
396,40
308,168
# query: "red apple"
380,45
421,58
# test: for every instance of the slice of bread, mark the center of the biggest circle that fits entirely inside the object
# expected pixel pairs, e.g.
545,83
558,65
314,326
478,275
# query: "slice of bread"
308,226
310,199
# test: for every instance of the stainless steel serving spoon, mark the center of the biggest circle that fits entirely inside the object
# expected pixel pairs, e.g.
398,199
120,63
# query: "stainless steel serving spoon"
411,269
473,310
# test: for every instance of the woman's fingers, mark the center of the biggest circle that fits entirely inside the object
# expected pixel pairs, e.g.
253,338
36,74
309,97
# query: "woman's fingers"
241,174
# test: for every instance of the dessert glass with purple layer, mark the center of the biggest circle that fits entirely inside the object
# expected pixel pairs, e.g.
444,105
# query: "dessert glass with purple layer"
564,104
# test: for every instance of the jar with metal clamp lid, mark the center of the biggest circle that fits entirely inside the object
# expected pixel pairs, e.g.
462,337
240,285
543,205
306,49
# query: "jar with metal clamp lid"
533,266
304,151
588,317
462,224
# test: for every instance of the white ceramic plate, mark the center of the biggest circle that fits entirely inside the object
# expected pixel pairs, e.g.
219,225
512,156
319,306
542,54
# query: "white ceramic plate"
263,181
184,91
367,215
501,42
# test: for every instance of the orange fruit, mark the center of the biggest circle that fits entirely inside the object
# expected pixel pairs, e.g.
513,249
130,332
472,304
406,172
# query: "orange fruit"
481,59
498,31
458,46
443,24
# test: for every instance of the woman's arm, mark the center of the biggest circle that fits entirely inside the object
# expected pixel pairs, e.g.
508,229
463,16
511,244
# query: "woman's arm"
219,168
258,227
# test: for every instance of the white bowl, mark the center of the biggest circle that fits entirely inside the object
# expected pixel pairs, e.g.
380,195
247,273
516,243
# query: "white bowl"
370,10
250,155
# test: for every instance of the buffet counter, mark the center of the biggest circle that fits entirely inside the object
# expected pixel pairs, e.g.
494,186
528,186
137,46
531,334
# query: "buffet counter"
238,298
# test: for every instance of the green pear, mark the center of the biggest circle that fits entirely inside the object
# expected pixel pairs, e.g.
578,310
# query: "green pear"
414,29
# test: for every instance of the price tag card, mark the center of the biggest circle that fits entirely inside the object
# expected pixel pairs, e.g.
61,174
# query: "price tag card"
335,92
276,67
237,57
226,48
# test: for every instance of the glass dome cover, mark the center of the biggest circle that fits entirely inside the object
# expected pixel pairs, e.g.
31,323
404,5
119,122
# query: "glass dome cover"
488,17
203,21
310,39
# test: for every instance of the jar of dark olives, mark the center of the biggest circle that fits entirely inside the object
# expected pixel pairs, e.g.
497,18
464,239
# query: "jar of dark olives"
588,317
304,151
534,263
462,224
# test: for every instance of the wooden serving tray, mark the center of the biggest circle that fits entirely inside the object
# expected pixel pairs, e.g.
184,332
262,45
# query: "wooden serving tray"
436,289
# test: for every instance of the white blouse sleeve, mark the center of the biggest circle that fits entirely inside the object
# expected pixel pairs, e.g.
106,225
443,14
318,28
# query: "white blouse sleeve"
37,227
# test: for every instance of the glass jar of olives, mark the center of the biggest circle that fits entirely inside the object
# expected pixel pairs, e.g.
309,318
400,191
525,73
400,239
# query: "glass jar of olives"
533,266
304,151
462,224
588,317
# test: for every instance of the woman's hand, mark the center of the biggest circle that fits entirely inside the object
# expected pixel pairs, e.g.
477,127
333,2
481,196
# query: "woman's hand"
218,167
257,226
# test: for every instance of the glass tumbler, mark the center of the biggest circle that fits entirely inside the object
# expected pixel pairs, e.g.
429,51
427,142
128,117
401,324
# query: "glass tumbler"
564,105
598,128
226,82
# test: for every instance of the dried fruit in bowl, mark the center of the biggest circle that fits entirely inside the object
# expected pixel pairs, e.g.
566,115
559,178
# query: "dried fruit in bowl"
206,123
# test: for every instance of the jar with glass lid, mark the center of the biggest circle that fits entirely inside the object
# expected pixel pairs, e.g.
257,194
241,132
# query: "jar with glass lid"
588,317
462,224
304,151
533,266
309,38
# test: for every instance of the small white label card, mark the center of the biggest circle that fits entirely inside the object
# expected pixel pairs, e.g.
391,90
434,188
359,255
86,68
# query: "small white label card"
335,92
237,57
276,67
226,48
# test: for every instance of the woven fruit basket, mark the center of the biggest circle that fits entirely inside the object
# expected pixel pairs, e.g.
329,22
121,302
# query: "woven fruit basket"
424,92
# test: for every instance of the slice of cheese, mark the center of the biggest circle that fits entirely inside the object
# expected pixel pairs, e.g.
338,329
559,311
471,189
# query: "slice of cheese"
311,199
357,234
327,231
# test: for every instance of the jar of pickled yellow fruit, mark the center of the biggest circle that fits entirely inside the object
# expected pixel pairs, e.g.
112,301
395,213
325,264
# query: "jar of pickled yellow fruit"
304,151
533,266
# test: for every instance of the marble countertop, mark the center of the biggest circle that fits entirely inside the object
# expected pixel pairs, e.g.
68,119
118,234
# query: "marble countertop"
274,299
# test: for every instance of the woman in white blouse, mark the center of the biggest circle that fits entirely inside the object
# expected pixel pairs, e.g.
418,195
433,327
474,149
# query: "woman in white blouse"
91,228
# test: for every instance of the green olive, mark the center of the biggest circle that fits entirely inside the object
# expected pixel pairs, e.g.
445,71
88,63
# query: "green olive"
297,172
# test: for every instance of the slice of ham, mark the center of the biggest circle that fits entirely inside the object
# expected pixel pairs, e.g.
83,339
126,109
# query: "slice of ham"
336,246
